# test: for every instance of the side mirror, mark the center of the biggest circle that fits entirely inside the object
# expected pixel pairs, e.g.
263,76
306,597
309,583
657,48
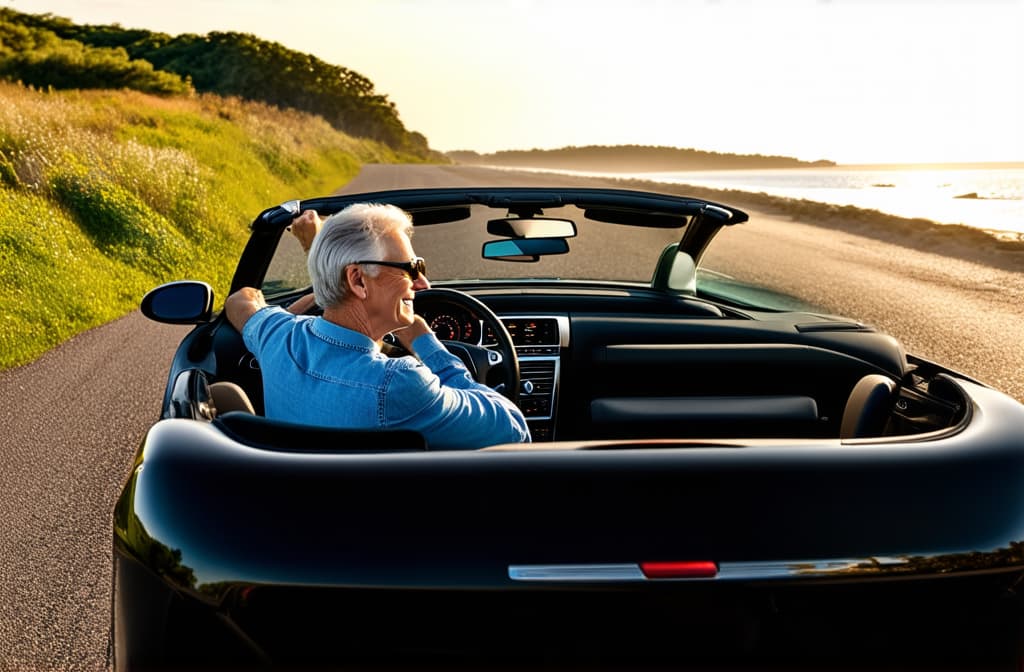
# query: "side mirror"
180,302
524,249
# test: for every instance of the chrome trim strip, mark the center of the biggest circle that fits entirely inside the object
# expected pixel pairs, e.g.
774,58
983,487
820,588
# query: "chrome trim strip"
562,320
563,329
748,571
623,572
556,377
727,571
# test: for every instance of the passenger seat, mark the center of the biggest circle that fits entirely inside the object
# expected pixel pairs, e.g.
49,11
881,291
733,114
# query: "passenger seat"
868,407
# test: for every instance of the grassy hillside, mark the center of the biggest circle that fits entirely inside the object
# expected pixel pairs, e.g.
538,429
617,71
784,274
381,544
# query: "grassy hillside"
105,194
50,51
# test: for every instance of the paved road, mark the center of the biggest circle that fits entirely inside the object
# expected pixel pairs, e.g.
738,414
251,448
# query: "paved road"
68,430
71,420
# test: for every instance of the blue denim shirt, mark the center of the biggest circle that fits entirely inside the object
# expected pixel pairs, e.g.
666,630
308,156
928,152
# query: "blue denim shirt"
316,372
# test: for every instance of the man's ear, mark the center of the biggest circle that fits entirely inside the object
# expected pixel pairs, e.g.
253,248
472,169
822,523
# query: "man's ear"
355,279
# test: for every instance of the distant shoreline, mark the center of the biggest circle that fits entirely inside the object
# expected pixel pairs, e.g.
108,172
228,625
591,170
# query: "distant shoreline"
976,165
657,159
630,159
998,249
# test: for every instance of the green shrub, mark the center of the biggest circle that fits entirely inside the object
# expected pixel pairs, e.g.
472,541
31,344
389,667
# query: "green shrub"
38,57
105,194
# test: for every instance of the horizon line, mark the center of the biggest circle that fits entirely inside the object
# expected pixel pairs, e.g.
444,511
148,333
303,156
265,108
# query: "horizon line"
1019,163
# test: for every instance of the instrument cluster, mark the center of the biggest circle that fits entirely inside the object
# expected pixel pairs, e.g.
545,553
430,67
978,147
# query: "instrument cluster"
454,323
451,323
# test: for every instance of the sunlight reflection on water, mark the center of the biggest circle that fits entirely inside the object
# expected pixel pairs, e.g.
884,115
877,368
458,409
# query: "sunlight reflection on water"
929,194
934,194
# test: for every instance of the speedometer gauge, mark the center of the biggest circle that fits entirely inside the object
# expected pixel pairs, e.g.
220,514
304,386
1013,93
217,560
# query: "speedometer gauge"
446,327
455,326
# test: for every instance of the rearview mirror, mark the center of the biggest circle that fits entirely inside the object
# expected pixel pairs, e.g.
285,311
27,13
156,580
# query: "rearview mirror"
534,227
524,249
180,302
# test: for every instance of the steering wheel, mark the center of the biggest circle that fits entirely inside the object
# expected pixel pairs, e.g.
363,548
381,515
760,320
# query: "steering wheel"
479,360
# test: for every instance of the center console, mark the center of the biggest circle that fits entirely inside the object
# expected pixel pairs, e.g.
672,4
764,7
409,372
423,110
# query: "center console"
539,341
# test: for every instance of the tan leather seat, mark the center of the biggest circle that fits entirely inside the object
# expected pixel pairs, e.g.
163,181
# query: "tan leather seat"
868,407
227,397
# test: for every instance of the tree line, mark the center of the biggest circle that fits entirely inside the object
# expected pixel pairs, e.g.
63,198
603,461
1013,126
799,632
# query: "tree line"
43,50
630,158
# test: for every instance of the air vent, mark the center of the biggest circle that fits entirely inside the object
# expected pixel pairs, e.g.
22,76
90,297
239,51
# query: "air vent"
541,373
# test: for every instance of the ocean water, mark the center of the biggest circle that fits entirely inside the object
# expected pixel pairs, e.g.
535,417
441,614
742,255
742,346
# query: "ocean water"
995,202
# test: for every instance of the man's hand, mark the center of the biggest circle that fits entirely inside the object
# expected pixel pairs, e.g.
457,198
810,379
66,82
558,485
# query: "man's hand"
305,227
242,305
412,332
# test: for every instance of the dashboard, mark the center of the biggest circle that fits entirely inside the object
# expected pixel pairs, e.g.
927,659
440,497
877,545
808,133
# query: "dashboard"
539,335
538,340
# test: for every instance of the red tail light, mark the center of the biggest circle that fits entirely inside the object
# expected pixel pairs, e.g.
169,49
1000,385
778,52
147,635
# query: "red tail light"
699,569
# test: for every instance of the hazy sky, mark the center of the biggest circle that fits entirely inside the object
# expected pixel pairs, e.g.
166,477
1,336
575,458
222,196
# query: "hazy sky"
855,81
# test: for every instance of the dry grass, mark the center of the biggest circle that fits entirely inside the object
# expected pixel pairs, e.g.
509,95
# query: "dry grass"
104,194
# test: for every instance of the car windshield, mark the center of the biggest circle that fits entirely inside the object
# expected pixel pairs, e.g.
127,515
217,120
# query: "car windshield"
600,251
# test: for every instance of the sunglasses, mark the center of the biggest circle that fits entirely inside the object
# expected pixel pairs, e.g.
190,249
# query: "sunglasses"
415,267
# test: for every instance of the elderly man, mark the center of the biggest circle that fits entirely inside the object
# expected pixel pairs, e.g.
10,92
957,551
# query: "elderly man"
330,371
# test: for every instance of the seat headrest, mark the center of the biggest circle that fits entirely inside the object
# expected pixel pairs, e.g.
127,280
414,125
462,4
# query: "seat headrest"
868,407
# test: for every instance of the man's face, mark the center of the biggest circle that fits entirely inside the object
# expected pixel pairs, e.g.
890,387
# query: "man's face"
390,295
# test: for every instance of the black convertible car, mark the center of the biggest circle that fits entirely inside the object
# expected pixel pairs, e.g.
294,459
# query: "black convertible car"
712,479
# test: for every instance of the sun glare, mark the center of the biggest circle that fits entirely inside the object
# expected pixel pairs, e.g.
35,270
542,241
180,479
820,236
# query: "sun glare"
845,80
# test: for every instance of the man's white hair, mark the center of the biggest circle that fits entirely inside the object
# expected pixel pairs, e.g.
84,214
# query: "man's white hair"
348,236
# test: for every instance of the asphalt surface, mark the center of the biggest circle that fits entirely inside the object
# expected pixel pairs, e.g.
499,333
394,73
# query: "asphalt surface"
70,425
72,420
